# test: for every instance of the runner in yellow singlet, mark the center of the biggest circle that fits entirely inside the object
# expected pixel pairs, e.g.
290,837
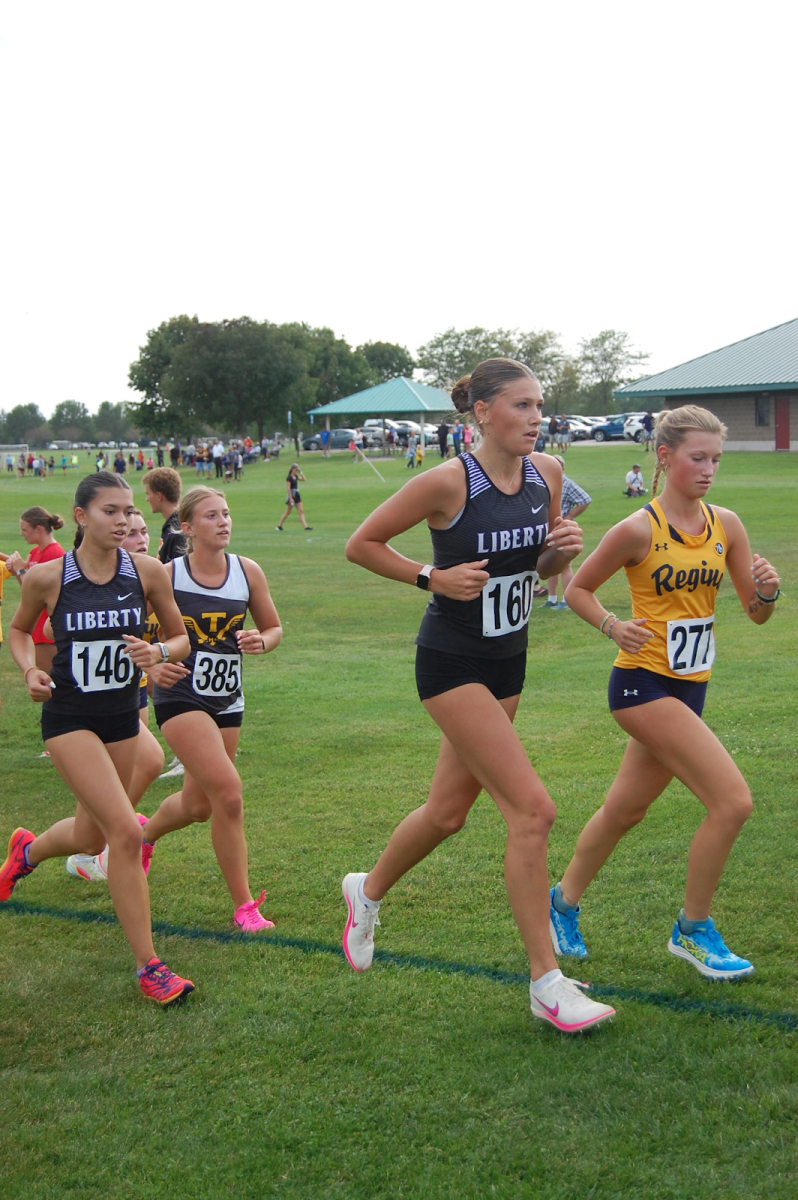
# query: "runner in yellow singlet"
675,552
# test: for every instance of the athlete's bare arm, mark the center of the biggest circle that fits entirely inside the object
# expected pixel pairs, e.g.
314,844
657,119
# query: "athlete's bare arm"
268,632
437,497
158,592
39,590
626,544
565,536
748,572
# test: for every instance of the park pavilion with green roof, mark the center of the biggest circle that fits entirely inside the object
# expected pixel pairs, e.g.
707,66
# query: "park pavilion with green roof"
398,397
751,385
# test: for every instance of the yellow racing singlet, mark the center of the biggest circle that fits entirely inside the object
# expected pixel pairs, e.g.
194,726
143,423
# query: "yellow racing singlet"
674,588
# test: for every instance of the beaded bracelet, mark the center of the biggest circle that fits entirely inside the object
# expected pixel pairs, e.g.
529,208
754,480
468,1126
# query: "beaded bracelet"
609,628
604,622
768,599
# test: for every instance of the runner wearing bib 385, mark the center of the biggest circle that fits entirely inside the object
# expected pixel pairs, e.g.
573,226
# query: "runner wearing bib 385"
675,552
199,706
495,523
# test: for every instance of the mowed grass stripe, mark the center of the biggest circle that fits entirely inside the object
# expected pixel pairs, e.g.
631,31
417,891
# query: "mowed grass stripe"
679,1004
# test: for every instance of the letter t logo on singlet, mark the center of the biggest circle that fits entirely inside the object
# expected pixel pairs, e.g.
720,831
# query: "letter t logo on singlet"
214,619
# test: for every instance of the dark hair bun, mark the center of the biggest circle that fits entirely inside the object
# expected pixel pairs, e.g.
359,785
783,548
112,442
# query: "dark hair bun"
460,394
56,522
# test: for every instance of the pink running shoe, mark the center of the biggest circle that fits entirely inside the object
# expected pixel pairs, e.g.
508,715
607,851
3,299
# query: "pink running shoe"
146,847
248,919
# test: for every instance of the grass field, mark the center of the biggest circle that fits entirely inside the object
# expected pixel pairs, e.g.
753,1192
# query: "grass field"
288,1075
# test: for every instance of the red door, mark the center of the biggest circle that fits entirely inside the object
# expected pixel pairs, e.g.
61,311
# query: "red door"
782,422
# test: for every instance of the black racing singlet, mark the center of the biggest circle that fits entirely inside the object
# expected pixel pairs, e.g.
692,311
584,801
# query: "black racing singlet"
212,616
510,532
91,672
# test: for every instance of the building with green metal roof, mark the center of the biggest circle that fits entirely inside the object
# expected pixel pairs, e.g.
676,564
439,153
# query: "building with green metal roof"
395,397
752,385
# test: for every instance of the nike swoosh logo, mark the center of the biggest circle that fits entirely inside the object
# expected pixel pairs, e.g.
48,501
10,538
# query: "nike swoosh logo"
552,1011
537,510
125,596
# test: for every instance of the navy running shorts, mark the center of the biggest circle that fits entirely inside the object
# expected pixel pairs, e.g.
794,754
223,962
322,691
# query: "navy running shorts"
630,686
438,672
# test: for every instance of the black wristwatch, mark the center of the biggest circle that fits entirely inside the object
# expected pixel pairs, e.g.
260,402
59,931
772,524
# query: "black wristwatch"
422,579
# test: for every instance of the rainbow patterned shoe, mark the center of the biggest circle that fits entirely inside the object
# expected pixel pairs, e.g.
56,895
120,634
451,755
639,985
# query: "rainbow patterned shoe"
88,866
16,865
248,919
160,984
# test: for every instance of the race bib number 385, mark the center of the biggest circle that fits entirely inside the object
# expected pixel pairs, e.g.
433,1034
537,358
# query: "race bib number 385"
691,645
506,603
101,666
216,674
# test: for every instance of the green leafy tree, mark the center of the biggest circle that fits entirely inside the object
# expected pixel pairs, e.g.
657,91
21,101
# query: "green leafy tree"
334,369
456,352
154,413
112,422
387,360
605,361
26,423
72,421
235,375
564,393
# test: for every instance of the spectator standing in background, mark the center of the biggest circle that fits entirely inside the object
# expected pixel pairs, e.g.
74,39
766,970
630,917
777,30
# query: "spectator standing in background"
162,489
443,433
410,453
218,456
457,436
159,456
648,428
574,502
553,427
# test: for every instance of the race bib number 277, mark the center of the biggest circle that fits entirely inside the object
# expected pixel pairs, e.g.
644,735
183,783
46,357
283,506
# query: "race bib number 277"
691,645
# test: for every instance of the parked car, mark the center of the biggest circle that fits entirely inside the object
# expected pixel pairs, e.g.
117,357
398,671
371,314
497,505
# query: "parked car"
339,439
633,429
610,428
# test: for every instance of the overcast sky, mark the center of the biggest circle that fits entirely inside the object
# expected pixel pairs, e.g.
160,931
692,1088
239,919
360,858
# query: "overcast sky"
390,170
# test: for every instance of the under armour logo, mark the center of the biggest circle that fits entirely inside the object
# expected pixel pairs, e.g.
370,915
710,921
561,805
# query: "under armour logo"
630,693
664,546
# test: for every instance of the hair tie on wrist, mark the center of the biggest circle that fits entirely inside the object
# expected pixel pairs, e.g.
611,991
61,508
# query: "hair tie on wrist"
768,599
27,673
604,622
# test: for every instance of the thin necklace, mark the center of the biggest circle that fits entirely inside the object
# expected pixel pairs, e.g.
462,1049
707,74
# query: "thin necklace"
509,483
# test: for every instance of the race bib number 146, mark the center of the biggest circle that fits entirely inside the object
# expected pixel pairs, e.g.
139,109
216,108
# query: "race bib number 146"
506,603
691,645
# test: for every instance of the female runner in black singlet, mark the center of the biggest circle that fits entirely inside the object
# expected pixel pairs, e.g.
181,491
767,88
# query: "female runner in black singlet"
96,597
199,706
293,497
495,522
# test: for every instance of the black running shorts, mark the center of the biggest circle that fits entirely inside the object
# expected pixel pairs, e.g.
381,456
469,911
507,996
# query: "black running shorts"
438,672
116,727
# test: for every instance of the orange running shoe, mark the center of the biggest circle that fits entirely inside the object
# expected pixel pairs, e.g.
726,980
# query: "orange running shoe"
16,866
158,983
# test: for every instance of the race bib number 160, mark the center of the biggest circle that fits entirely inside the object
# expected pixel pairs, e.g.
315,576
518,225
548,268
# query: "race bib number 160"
691,645
506,603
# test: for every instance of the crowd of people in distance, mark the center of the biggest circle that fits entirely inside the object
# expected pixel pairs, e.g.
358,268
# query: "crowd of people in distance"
103,629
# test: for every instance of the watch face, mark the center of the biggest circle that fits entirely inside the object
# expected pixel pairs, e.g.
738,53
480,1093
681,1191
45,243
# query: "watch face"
422,581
